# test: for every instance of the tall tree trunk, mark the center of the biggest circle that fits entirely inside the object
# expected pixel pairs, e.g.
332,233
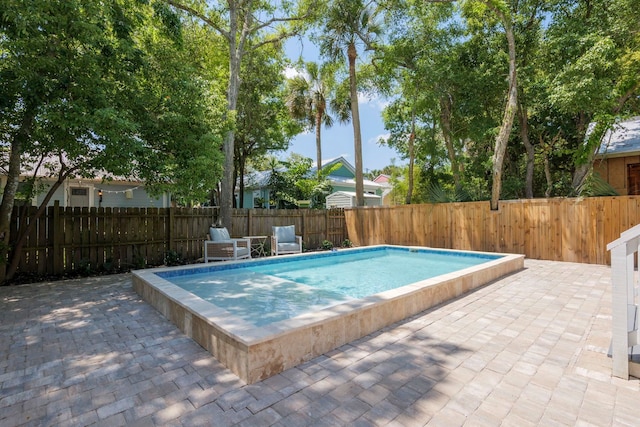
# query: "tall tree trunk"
411,142
445,123
319,114
509,113
25,230
236,50
355,117
9,194
582,171
528,146
547,175
240,173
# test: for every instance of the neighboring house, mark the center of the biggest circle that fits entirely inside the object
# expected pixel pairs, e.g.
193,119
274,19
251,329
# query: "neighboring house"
347,199
387,188
618,158
81,192
256,185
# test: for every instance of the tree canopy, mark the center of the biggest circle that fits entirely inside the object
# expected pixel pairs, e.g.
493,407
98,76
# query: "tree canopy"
487,99
90,89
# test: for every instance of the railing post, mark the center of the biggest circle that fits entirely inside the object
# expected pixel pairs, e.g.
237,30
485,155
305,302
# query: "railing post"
619,297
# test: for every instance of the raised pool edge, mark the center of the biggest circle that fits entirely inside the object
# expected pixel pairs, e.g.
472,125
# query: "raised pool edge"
256,353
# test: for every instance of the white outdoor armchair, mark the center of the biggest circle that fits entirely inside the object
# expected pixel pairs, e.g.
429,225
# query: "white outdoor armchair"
285,241
222,247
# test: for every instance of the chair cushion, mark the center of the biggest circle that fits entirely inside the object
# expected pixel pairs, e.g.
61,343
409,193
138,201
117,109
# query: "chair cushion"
286,234
219,234
288,247
242,251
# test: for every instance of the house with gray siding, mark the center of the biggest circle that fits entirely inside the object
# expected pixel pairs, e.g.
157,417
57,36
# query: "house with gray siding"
257,190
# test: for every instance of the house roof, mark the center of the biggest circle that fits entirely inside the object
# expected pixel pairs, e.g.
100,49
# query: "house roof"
382,178
260,179
257,179
353,194
334,161
48,169
622,140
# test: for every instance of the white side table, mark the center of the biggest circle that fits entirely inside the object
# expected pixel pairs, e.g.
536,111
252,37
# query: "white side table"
257,245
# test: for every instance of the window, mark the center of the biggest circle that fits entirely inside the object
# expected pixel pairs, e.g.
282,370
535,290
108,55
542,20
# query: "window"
79,192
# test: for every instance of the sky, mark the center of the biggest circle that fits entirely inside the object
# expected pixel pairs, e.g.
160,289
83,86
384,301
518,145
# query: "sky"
338,140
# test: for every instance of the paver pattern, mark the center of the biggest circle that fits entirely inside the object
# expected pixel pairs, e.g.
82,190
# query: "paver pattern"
529,349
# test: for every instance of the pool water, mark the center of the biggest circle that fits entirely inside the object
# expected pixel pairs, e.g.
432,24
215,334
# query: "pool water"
267,292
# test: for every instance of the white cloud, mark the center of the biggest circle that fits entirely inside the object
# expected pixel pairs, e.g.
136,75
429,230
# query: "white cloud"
375,140
373,100
290,72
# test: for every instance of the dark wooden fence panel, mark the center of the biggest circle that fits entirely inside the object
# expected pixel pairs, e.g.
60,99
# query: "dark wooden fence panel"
95,239
315,226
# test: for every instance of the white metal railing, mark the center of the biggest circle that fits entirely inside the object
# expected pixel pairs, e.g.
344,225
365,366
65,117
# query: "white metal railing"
624,305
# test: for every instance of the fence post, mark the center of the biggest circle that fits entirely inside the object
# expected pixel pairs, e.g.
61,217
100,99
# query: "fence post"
170,229
327,233
249,222
56,235
304,227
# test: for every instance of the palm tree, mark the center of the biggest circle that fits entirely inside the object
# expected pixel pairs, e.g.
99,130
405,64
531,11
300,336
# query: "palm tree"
307,100
347,24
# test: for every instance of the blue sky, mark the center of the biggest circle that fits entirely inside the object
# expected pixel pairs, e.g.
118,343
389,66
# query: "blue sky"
338,140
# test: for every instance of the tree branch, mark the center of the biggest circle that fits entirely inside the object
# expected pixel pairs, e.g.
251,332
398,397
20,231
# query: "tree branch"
624,98
281,36
226,34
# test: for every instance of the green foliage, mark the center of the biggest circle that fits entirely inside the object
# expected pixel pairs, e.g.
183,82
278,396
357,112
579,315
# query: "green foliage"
327,245
346,243
595,186
578,63
284,191
110,90
292,180
84,267
172,258
319,194
437,193
263,121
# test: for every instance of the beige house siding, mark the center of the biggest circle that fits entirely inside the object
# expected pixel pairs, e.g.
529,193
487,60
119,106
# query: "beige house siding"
614,171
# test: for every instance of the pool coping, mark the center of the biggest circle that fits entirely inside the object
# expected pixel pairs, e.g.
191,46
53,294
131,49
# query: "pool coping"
255,353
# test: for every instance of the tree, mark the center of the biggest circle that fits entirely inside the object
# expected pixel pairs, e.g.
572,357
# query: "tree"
346,25
591,63
263,121
308,100
83,94
242,23
284,191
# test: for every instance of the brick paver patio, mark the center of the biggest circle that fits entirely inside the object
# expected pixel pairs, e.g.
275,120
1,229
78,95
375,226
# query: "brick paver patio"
529,349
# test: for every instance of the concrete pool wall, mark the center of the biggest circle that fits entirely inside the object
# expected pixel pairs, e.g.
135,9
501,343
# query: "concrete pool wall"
255,353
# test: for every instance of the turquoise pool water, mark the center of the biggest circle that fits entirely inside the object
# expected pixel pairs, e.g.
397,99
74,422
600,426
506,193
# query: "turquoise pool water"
273,289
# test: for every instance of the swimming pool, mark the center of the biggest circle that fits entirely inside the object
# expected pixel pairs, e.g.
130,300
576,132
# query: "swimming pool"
254,352
265,293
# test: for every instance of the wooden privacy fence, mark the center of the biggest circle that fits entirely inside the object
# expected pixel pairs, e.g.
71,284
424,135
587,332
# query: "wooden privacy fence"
114,239
315,226
568,229
577,230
